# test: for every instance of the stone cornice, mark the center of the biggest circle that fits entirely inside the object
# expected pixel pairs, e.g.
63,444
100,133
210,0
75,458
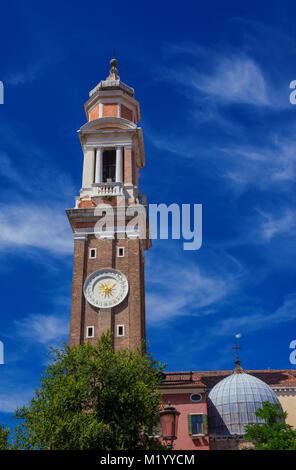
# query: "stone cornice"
97,125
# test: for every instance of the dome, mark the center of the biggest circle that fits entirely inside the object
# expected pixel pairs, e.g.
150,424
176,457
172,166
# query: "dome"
233,401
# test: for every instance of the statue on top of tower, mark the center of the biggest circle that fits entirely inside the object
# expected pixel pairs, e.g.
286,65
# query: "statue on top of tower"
113,75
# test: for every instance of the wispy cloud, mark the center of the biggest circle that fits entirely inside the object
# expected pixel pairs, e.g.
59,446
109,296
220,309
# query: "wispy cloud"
185,289
43,329
33,215
257,320
10,400
229,77
23,225
278,224
265,166
31,71
35,178
233,81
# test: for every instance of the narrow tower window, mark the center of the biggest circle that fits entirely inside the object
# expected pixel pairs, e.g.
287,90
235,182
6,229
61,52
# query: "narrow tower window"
120,330
92,253
90,331
109,166
120,252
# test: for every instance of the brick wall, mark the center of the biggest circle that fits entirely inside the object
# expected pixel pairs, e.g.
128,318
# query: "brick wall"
130,313
110,109
94,114
126,113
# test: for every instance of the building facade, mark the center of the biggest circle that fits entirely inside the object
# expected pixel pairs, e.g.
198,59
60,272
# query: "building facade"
180,388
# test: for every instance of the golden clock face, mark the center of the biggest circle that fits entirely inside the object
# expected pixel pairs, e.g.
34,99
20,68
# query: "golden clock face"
105,288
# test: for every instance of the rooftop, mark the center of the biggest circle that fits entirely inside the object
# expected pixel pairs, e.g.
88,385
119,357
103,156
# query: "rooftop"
208,379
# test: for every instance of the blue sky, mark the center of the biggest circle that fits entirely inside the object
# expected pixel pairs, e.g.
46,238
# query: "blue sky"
213,81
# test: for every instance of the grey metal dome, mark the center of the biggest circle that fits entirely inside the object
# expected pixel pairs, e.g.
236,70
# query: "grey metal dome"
233,401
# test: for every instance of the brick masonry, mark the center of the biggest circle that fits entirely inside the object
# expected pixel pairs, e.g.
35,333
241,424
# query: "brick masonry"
94,114
110,109
126,113
130,313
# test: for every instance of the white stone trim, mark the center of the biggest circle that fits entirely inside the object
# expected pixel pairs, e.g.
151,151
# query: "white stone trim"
118,250
284,389
80,236
89,253
196,401
117,330
93,332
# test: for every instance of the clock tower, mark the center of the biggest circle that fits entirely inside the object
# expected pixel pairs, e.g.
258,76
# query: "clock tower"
108,289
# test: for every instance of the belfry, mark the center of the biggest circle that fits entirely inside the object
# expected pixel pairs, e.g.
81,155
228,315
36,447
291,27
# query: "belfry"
108,288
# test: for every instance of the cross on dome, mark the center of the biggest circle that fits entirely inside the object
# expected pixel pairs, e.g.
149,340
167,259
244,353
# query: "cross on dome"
238,369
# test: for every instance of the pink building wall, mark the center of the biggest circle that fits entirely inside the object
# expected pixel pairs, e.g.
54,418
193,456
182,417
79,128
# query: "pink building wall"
182,402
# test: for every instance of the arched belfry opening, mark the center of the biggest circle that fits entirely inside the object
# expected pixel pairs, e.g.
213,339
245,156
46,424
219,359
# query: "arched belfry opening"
109,166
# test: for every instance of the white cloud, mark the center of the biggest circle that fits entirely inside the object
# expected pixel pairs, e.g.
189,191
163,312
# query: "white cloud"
235,79
33,215
278,224
32,226
10,400
255,321
43,329
272,165
36,178
29,73
230,78
182,289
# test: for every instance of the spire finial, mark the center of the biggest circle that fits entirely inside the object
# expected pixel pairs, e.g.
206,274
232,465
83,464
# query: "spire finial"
238,369
113,75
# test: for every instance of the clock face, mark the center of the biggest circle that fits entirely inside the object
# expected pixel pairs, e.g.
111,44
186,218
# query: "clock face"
105,288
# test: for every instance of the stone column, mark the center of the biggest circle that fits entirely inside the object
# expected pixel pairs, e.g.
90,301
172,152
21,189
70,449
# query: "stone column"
88,168
99,165
119,165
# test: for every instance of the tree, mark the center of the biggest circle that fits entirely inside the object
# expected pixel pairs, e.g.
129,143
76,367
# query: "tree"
4,435
92,397
274,433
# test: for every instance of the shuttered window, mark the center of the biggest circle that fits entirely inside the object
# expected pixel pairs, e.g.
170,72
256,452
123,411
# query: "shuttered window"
197,424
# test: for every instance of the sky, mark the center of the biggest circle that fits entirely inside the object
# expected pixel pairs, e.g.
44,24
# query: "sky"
212,79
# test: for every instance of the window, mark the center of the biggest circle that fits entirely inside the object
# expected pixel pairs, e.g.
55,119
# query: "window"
197,424
195,397
109,166
120,330
90,331
92,253
120,252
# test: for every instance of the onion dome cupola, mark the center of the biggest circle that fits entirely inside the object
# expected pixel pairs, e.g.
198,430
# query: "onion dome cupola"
233,401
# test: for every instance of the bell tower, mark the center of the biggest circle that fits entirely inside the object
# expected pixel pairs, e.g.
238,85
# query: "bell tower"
108,288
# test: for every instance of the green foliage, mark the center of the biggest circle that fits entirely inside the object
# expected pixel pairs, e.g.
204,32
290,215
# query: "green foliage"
92,397
274,434
4,434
